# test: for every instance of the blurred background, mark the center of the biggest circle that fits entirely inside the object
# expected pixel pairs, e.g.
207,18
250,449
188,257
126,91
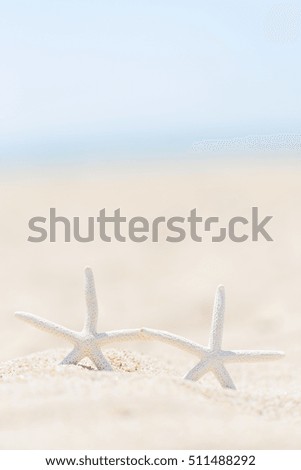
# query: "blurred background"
128,80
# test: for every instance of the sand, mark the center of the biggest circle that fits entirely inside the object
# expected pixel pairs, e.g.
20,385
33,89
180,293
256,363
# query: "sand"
145,404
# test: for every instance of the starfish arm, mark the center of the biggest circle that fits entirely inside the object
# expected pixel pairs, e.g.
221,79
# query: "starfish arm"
91,301
251,356
120,335
73,357
175,340
216,333
99,360
223,376
199,370
48,326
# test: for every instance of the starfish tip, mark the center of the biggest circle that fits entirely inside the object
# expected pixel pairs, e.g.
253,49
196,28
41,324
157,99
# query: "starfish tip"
18,314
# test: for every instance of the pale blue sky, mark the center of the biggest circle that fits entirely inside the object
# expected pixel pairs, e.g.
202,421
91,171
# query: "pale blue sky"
92,77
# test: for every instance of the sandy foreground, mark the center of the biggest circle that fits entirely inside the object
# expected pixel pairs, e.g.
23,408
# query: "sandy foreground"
145,403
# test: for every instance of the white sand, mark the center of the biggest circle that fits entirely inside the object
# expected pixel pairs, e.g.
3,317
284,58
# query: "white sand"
146,404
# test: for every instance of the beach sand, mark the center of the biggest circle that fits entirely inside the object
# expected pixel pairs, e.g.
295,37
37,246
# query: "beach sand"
145,403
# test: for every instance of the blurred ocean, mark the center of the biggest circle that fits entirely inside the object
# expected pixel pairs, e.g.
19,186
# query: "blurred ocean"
99,81
145,148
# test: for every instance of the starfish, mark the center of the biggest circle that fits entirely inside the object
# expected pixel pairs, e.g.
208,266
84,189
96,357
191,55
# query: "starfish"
213,357
87,343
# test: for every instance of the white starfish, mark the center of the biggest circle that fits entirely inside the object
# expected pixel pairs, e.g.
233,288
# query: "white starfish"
86,343
213,357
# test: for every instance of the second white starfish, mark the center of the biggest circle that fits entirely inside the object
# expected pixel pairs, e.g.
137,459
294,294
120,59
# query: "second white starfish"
213,357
